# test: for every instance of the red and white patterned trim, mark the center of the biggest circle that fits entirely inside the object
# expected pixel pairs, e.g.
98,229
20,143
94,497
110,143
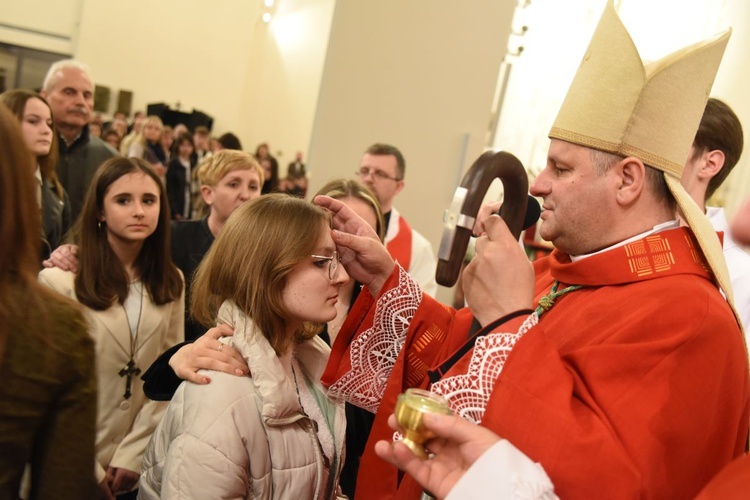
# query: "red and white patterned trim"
374,352
469,393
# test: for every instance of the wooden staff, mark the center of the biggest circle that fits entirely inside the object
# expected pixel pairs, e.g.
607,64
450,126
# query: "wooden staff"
460,217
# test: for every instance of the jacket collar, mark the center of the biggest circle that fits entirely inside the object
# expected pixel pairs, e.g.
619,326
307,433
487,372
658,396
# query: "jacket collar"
269,371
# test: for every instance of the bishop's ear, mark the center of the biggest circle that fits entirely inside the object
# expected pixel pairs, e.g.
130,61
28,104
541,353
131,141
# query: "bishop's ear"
631,179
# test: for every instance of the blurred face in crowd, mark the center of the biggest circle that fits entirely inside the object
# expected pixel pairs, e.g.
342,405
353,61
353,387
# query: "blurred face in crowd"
152,131
167,139
266,164
120,126
201,142
231,192
179,129
36,125
95,129
71,98
113,139
185,149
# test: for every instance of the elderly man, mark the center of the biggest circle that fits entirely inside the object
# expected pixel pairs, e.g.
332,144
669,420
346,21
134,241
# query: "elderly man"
616,363
383,169
70,92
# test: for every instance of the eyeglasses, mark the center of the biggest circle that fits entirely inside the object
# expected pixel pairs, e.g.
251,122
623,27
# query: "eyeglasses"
378,174
333,263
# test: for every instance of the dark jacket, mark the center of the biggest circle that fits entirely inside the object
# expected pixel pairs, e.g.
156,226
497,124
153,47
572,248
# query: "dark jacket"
77,165
56,218
176,184
191,240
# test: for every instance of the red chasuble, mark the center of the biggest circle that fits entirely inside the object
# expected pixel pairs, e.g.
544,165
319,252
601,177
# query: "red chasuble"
633,386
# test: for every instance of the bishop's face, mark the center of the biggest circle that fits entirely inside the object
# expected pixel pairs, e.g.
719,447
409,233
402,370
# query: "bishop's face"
578,200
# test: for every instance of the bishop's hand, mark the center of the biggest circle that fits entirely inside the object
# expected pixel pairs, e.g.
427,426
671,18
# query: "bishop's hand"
500,279
362,253
457,445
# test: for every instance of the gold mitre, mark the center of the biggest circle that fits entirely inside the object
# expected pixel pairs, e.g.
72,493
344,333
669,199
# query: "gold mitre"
618,104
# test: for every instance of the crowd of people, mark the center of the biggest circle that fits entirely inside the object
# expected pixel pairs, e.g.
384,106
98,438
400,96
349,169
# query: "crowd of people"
176,321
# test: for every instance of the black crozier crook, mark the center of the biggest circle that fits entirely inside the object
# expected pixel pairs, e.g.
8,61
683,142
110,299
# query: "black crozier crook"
460,216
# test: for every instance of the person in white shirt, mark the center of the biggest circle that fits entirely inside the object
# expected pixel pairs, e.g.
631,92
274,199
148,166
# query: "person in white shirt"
716,149
382,169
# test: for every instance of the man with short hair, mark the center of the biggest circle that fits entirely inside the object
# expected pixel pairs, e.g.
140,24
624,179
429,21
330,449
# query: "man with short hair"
615,363
70,92
716,150
383,169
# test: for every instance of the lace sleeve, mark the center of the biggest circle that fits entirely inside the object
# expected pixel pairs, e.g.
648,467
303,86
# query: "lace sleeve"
374,352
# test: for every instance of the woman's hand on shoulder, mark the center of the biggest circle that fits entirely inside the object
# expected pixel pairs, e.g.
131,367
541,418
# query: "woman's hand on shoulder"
64,257
207,353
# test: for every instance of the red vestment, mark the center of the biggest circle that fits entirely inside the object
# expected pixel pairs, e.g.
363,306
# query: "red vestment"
634,386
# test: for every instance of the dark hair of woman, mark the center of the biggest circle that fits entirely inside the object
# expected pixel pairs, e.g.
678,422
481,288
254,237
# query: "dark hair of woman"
102,278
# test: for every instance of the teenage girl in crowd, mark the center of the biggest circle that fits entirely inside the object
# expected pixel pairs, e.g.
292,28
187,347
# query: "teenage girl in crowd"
133,297
228,179
48,390
35,117
187,359
272,274
147,145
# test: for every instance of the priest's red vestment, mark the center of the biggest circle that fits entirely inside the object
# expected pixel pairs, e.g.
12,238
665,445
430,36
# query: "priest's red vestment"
633,386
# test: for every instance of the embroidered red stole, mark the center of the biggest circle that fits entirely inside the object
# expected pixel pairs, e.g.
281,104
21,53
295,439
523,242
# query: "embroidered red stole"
400,246
436,332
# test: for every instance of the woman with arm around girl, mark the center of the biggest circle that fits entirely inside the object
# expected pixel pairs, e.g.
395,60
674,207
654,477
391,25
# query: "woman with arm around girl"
273,275
48,390
134,299
35,117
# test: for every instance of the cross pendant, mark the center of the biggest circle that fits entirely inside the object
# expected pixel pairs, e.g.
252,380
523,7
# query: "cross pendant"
128,371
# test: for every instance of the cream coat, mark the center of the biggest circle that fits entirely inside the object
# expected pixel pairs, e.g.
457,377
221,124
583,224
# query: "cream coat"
124,427
242,437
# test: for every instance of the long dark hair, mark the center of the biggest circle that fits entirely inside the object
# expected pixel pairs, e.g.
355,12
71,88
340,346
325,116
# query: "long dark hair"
102,279
20,226
16,101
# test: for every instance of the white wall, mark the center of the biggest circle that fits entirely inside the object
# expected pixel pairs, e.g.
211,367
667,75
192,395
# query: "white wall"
259,81
170,51
559,32
420,75
49,25
283,78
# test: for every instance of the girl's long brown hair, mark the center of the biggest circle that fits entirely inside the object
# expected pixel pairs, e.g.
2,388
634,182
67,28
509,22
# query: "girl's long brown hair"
260,244
102,279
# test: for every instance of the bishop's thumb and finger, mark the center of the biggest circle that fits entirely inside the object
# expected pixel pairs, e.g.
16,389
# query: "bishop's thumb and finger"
450,427
485,211
365,258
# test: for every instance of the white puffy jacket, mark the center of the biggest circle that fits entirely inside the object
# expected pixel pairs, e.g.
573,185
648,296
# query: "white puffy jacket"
242,437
